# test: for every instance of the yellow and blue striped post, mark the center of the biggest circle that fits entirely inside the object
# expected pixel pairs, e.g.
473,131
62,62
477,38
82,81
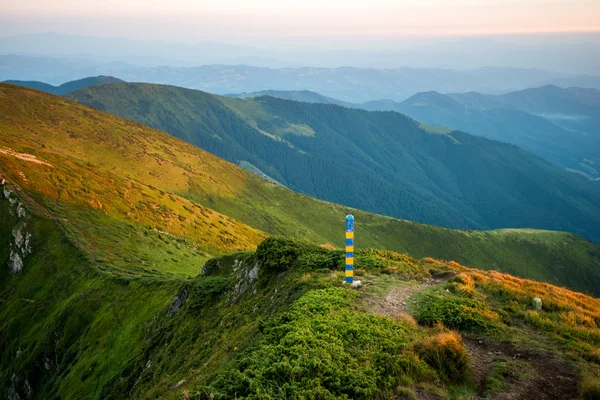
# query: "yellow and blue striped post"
349,249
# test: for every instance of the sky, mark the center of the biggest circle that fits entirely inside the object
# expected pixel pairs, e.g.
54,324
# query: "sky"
216,19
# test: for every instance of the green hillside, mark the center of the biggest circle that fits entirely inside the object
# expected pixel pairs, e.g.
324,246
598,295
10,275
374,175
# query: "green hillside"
109,171
278,323
305,96
559,125
67,86
381,162
106,292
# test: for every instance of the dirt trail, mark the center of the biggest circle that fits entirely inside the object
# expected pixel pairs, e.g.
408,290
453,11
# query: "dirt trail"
551,378
397,300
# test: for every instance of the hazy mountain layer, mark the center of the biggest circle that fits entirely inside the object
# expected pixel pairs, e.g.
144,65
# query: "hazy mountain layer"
350,84
66,87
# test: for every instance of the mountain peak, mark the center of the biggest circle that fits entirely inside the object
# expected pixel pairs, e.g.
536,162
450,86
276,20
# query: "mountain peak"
433,99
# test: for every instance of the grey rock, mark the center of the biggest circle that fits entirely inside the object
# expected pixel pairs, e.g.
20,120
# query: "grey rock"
253,274
21,211
15,262
18,237
20,388
26,249
536,304
179,301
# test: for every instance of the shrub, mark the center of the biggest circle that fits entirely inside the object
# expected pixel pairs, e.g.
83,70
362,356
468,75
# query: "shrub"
208,289
281,254
406,319
458,313
322,348
321,259
445,353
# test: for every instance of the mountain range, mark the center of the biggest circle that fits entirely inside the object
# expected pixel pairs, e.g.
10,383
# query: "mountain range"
137,265
67,86
559,125
382,162
572,53
136,184
350,84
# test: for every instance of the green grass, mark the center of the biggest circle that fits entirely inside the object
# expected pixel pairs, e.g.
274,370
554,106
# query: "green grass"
119,170
463,314
288,328
506,373
66,326
389,162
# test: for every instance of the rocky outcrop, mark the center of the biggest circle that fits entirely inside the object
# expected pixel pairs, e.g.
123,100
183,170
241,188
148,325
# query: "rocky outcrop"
20,388
245,274
178,301
20,240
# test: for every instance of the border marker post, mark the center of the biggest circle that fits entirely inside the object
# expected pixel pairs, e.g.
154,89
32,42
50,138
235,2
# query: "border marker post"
349,249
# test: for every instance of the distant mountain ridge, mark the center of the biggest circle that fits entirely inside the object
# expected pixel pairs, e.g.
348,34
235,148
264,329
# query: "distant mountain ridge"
305,96
559,125
67,86
379,161
349,84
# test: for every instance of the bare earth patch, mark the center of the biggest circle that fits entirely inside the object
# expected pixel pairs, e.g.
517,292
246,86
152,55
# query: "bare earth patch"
551,377
23,156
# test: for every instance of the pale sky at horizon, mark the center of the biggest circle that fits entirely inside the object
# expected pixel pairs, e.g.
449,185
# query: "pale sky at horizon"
231,18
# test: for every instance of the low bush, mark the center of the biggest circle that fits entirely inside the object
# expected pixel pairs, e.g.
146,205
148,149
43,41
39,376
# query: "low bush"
445,353
280,254
207,289
463,285
458,313
323,348
320,258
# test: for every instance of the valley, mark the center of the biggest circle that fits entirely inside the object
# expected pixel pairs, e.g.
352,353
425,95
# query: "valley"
142,266
397,167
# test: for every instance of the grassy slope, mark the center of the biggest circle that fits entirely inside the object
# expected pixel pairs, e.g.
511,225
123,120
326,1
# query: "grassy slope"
99,178
396,167
66,326
71,331
75,327
113,153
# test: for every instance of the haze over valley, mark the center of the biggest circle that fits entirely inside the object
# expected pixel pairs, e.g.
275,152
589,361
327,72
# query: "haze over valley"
300,200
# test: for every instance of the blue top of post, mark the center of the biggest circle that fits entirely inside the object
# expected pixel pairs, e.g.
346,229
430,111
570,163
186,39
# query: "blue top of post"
349,223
